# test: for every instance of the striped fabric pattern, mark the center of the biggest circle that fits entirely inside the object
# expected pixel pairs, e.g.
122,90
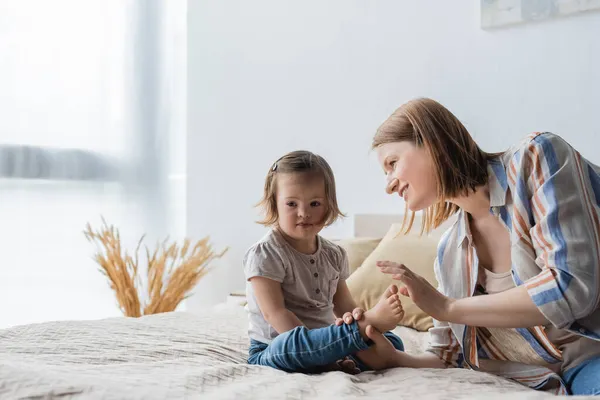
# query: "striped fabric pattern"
548,197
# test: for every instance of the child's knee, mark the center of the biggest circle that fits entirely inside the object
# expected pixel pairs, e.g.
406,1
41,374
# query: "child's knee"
298,333
284,341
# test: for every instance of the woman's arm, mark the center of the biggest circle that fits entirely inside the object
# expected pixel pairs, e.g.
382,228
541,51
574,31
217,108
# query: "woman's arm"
394,358
425,360
444,349
510,309
270,301
563,191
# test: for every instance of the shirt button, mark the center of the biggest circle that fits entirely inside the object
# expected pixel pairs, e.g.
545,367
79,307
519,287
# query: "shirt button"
315,275
312,261
318,291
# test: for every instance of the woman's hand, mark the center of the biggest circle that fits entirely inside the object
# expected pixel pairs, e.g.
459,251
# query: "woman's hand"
349,318
422,293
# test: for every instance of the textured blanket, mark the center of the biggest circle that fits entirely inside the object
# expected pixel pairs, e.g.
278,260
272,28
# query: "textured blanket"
185,356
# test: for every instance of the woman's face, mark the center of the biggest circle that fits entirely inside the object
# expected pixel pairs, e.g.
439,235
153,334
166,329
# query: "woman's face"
410,173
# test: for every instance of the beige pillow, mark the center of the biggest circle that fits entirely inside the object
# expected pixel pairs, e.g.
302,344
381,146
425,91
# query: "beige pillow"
358,249
367,283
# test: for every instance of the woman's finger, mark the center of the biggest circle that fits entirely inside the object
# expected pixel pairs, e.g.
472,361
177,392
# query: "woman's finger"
348,318
390,270
391,264
399,271
407,280
388,267
357,313
404,291
339,322
386,263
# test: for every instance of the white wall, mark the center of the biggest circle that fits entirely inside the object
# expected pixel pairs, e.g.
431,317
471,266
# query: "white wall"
267,76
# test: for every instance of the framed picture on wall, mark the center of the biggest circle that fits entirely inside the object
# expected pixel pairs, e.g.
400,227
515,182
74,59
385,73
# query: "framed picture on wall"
499,13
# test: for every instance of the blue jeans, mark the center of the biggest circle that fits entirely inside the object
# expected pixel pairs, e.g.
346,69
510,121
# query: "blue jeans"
305,350
584,379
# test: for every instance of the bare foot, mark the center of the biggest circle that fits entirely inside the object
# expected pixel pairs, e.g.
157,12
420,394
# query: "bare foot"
391,290
385,315
382,354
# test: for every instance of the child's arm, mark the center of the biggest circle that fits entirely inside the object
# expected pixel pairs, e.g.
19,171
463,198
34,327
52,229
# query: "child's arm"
343,303
342,300
270,301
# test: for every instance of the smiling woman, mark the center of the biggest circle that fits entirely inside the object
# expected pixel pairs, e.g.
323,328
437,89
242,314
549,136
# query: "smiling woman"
413,147
408,170
516,270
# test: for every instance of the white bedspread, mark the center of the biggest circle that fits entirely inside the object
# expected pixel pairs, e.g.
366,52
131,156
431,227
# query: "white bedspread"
178,355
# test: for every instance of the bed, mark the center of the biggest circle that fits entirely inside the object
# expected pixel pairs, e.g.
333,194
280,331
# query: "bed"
187,356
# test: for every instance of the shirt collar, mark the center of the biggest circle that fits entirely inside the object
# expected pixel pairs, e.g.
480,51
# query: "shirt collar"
464,229
497,182
498,187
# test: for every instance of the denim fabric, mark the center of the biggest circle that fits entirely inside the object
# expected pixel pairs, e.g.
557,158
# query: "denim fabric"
305,350
584,379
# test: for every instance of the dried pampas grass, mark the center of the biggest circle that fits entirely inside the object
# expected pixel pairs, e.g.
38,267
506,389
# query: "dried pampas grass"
171,273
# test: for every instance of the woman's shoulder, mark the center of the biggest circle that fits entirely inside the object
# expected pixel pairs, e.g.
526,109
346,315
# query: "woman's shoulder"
536,142
539,148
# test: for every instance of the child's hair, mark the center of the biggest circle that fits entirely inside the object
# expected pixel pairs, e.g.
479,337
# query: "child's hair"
304,162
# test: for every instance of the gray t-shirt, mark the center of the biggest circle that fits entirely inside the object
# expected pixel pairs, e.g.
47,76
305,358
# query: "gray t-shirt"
308,282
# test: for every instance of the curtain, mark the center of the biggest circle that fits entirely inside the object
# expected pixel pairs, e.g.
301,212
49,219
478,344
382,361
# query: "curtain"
92,124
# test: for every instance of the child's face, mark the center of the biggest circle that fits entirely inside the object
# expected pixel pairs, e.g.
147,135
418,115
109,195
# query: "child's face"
301,205
410,173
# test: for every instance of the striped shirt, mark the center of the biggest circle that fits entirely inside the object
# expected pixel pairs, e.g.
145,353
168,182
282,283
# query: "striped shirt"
548,198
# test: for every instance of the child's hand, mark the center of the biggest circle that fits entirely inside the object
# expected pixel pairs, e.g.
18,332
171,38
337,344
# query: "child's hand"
349,318
348,366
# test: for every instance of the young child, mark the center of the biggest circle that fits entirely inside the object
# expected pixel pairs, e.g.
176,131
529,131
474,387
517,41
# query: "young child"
296,280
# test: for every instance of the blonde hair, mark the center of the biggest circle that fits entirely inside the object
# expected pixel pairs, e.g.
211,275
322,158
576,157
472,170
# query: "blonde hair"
460,165
298,162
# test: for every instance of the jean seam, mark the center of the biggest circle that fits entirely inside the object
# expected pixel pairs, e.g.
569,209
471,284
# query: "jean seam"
352,335
357,338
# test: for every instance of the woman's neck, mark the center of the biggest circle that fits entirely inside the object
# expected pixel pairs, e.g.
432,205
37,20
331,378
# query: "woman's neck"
477,203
